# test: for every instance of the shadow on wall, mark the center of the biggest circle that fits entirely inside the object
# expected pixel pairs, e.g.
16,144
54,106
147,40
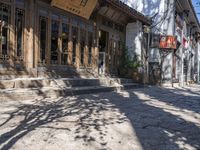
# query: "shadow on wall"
92,116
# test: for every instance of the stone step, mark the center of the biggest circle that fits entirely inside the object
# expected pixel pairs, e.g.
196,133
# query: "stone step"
24,83
123,80
52,92
11,77
64,72
13,72
61,82
79,82
128,86
45,82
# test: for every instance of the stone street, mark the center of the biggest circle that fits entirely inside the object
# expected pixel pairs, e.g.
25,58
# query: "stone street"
150,118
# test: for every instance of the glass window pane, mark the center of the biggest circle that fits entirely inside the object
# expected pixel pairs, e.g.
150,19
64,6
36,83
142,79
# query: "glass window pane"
4,30
74,40
43,37
65,19
82,24
90,44
54,41
19,1
55,17
43,13
19,24
65,40
82,42
74,22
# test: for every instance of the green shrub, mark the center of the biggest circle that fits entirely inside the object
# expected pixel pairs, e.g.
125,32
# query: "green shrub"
129,63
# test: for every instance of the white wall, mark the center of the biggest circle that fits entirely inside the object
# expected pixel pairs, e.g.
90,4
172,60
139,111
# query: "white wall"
161,10
134,38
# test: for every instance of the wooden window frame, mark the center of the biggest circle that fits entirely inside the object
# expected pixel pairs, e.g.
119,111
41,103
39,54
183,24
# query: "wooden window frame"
5,57
20,57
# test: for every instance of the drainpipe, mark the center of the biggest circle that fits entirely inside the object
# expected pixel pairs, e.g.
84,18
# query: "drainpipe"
147,57
198,61
173,1
182,66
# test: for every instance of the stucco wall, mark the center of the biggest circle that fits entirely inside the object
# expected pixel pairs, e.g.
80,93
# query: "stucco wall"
134,38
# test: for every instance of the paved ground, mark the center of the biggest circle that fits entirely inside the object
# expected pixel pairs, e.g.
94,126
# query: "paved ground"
147,118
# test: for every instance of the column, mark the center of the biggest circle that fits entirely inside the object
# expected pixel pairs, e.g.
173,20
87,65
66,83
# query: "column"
70,45
86,52
78,50
29,23
36,36
96,49
12,35
94,43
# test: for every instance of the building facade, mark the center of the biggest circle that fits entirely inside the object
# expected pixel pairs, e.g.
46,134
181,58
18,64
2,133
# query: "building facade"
172,18
38,35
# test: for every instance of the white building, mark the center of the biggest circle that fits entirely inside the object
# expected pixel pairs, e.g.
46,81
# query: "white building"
174,18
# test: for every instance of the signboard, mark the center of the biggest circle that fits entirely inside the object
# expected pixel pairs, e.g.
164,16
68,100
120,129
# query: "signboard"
168,42
178,33
83,8
185,43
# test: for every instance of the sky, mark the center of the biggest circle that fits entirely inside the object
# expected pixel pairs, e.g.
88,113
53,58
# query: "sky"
197,7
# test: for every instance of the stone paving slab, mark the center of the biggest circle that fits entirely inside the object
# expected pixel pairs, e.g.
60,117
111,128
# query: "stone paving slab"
141,119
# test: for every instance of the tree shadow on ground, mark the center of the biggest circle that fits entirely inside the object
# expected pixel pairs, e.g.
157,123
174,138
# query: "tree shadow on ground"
92,117
160,128
183,98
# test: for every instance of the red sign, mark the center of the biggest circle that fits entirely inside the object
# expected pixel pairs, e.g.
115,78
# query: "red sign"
185,43
168,42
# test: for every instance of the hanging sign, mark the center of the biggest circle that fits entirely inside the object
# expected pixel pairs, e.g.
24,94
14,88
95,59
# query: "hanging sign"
83,8
185,43
168,42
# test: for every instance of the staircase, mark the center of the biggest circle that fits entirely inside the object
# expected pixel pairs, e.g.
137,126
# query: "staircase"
65,72
37,88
